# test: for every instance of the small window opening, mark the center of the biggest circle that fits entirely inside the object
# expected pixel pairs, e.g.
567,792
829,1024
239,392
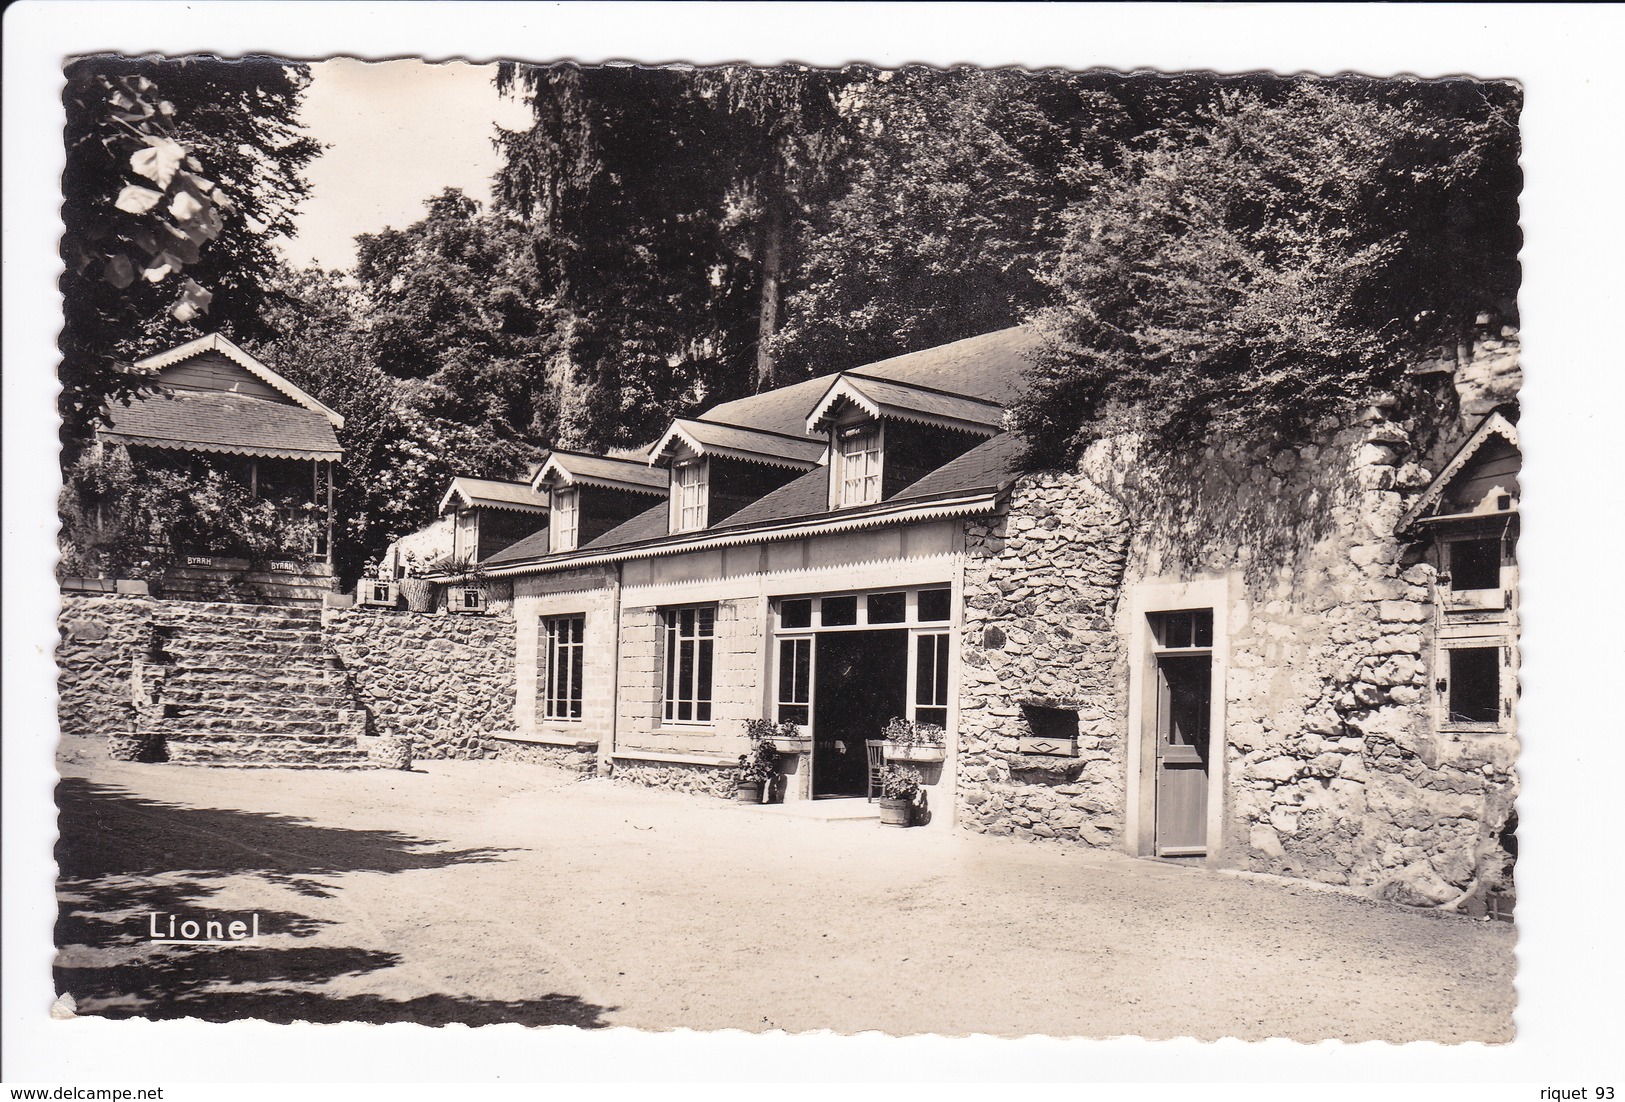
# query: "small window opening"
840,611
796,613
1475,564
887,608
1182,630
1475,685
933,605
1055,724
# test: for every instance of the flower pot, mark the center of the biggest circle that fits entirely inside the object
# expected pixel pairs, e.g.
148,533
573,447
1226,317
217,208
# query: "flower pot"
749,793
916,752
419,594
796,745
895,812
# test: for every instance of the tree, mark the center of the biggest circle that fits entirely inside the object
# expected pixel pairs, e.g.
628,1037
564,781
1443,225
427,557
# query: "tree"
173,166
1249,270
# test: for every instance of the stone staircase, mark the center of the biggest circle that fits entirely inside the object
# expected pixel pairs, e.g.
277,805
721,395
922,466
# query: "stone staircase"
245,686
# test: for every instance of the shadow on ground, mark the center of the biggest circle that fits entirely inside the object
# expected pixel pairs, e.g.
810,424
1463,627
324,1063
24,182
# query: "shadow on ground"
122,858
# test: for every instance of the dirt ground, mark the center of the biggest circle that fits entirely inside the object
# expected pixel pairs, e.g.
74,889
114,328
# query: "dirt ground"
483,892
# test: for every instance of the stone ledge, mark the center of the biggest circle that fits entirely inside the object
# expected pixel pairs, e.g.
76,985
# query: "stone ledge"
714,760
585,745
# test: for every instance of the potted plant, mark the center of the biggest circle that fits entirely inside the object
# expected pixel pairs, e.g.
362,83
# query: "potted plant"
907,740
753,780
419,592
899,788
785,737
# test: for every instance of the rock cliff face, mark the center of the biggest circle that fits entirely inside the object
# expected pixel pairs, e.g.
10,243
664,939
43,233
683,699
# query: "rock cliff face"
1334,768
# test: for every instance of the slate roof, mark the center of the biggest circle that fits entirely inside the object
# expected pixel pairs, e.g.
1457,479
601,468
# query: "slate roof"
218,421
907,402
773,448
533,546
494,494
631,474
991,367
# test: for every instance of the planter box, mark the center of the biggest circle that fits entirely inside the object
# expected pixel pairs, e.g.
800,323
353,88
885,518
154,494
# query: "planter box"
924,754
798,745
1049,747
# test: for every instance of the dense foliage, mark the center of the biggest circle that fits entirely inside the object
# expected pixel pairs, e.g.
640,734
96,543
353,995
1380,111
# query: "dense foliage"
179,173
1275,259
135,523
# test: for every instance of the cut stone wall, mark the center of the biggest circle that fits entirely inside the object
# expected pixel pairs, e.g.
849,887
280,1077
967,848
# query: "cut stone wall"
446,680
100,638
1041,585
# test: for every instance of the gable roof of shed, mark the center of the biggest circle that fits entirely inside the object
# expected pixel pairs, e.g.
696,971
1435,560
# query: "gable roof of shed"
214,342
600,470
220,421
494,494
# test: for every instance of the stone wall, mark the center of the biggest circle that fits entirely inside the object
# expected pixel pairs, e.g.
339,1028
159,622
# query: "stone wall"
1334,769
699,780
1041,586
101,636
581,759
446,680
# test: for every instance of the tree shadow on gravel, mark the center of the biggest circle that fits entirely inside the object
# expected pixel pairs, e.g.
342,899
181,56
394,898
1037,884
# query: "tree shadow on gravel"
122,858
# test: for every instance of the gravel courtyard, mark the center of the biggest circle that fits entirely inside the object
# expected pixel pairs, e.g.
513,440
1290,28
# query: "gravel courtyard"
482,892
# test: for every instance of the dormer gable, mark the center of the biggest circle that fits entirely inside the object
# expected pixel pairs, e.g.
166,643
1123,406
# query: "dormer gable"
590,494
884,435
489,515
1479,482
716,469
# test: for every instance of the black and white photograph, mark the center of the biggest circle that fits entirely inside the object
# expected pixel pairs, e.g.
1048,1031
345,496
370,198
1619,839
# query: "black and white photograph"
917,548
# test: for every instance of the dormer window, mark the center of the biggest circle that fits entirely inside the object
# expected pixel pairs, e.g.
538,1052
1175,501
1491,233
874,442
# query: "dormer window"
565,523
858,453
689,486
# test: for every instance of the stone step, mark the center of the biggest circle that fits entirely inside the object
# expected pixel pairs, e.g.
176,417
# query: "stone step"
188,693
212,612
172,634
250,725
268,714
249,666
186,647
334,765
213,748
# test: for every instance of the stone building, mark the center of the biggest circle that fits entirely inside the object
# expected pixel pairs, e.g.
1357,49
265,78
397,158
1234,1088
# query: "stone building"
1299,660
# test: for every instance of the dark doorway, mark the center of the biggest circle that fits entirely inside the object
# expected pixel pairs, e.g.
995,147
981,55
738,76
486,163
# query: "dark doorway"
862,682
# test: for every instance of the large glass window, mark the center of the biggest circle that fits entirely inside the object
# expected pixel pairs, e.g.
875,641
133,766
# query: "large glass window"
860,465
795,680
564,638
690,479
690,645
566,519
931,679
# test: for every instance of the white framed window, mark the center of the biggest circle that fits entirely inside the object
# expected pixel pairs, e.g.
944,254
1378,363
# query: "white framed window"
690,648
565,521
564,639
689,487
931,678
858,450
467,536
795,680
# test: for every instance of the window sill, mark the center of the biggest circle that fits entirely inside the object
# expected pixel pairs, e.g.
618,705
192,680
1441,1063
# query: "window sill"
1473,729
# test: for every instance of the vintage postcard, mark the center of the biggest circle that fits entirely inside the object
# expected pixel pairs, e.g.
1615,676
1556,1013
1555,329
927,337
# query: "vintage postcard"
953,551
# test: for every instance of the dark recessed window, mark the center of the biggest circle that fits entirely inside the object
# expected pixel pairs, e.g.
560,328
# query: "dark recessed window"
933,605
887,608
1475,685
840,611
1475,564
1180,630
1057,724
796,613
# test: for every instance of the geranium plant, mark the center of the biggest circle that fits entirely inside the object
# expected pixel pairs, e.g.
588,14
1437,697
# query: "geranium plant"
899,783
907,732
760,730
